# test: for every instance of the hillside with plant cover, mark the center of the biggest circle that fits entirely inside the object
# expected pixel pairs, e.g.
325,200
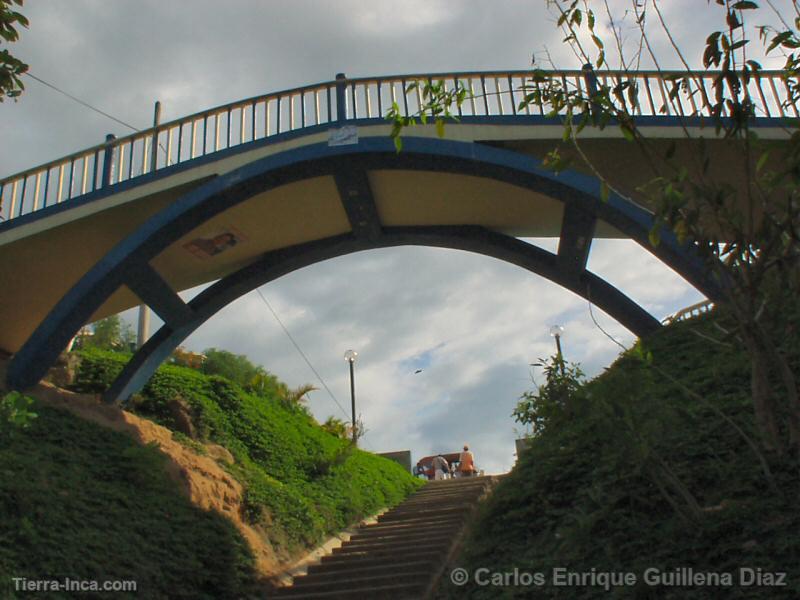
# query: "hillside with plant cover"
655,464
81,501
301,482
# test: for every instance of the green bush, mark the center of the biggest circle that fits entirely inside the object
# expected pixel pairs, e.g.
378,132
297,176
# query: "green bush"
647,472
78,500
301,482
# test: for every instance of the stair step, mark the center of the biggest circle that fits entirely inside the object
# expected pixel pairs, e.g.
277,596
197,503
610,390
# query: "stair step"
352,581
344,567
357,560
419,541
389,531
389,549
411,590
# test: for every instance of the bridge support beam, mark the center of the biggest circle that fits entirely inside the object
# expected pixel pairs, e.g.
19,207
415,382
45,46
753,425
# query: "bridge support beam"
577,232
359,203
273,265
349,165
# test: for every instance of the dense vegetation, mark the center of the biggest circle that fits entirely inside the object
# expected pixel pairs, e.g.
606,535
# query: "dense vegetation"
84,502
301,482
654,464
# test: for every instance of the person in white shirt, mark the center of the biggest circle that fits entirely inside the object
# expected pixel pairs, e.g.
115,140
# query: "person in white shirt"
440,467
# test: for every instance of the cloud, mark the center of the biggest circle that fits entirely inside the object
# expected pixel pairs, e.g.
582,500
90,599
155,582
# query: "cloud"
473,324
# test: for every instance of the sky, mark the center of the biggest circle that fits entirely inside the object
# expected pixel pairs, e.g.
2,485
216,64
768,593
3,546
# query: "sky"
472,324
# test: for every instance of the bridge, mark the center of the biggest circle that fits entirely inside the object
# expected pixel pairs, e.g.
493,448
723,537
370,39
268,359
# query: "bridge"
244,193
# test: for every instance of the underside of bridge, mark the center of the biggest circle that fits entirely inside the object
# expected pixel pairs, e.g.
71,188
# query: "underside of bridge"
267,212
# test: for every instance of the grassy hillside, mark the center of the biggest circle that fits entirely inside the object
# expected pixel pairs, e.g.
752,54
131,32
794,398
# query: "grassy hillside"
80,501
301,482
647,474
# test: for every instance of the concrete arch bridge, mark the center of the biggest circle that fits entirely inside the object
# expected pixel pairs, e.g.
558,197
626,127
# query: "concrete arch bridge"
244,193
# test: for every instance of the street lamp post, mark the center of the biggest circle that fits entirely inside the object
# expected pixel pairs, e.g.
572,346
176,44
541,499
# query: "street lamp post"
350,357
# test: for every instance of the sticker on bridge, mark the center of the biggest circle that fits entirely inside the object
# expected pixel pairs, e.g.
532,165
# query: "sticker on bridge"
218,243
343,136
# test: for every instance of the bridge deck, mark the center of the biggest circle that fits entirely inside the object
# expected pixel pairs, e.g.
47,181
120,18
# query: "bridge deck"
46,249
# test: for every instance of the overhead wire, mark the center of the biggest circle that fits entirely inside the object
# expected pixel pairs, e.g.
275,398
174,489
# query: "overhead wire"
266,302
79,101
305,358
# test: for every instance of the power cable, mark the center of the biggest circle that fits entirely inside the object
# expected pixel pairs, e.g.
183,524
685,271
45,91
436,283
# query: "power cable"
79,101
89,106
305,358
303,354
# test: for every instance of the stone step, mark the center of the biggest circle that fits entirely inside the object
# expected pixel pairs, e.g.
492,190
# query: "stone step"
357,577
399,514
420,540
401,530
386,549
410,591
346,567
366,560
433,519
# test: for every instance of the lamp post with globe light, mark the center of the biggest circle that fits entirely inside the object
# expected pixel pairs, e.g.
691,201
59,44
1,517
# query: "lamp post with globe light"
350,357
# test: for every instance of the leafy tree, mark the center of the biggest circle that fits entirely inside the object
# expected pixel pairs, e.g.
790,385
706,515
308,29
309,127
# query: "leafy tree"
546,405
15,413
11,68
749,235
336,427
236,367
112,333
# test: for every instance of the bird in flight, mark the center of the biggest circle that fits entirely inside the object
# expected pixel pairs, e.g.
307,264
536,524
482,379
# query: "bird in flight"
417,371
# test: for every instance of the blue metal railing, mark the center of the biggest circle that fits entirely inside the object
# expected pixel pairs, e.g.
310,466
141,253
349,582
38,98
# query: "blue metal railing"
492,93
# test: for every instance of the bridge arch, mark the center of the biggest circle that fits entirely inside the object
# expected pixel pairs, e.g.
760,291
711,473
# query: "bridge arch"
128,263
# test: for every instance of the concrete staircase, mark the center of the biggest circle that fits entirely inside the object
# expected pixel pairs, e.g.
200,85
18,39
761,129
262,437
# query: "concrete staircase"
403,554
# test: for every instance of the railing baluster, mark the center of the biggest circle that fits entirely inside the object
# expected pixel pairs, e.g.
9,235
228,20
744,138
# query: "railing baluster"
168,161
291,113
22,195
328,93
13,200
85,173
380,104
511,95
228,129
499,96
776,97
71,178
46,190
277,115
485,96
764,105
472,96
36,192
789,98
60,183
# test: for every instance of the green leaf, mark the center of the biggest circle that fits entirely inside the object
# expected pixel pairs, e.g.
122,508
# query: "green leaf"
654,236
762,160
440,127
